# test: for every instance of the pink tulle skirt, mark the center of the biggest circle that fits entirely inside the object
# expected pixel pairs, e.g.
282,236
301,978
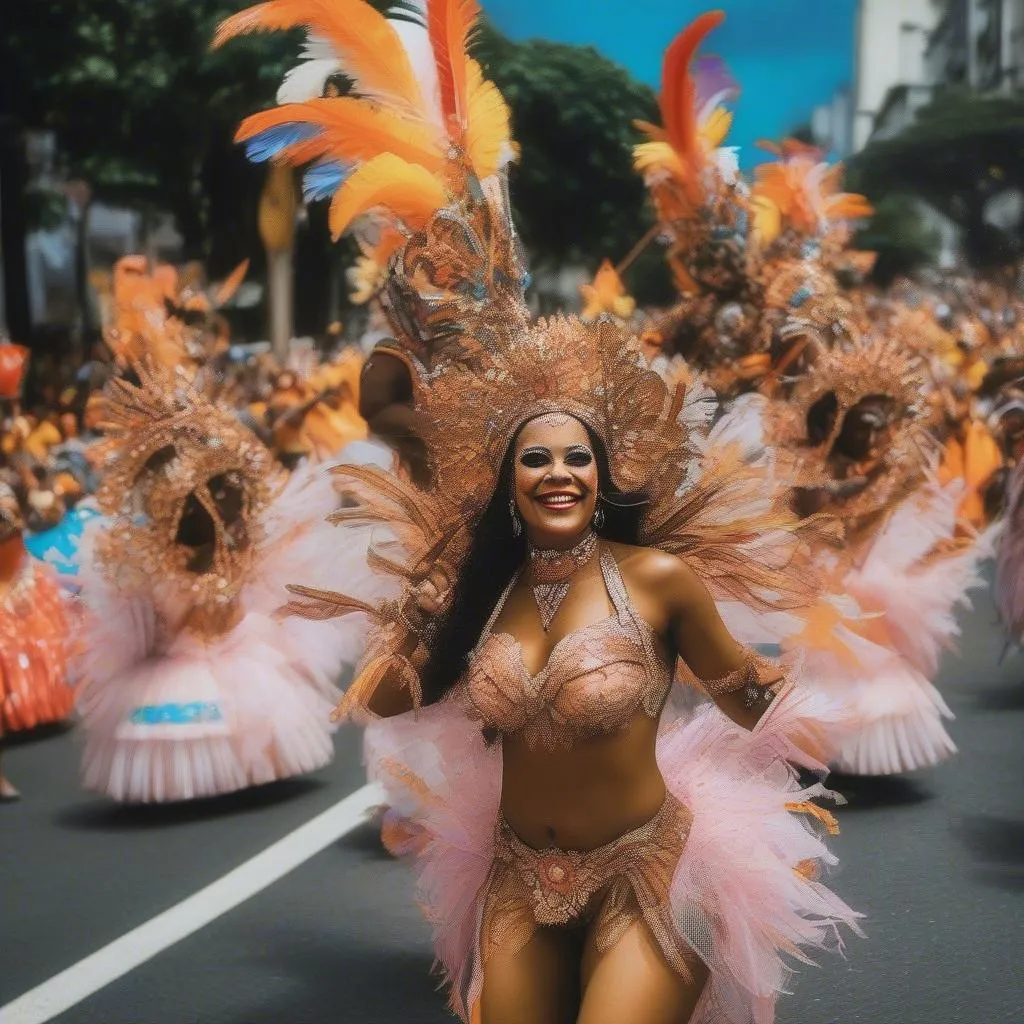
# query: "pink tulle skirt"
897,609
206,718
745,894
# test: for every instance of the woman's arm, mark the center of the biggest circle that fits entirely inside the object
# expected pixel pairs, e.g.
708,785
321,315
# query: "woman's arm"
739,681
394,688
386,403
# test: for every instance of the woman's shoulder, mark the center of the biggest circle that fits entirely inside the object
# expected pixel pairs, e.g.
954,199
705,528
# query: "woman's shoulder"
651,568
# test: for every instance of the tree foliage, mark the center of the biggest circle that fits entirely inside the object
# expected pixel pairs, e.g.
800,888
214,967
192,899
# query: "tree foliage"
898,234
576,195
963,150
145,113
142,110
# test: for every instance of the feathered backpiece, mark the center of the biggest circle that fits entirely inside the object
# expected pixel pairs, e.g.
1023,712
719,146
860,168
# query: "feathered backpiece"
169,454
796,198
162,314
693,180
855,425
727,523
412,158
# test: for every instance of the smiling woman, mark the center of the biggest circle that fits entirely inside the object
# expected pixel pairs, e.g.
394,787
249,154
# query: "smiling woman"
556,482
583,855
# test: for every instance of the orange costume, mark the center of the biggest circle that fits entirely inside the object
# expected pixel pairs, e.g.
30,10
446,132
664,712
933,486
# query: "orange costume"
34,631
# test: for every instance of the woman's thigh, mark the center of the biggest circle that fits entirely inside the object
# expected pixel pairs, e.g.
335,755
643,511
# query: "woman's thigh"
540,984
632,983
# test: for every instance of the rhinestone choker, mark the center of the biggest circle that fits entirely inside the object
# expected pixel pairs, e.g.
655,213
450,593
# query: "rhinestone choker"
552,572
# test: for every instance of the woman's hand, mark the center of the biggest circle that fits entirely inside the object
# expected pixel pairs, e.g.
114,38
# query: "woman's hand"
433,594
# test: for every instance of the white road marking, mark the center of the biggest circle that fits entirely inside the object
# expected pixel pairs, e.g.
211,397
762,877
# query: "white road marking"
123,955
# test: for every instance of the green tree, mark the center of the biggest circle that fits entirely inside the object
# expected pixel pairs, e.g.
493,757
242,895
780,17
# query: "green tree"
142,110
963,150
575,193
145,113
900,237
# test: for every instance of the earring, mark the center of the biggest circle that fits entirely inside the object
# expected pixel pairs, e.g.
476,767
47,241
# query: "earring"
599,514
517,526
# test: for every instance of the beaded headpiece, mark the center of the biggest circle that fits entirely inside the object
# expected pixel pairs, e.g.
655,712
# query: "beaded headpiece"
840,379
416,160
164,444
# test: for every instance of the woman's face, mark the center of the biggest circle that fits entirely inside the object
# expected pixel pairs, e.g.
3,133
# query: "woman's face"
555,481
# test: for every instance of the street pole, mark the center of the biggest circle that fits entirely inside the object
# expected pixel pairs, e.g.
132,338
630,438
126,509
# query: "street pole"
277,211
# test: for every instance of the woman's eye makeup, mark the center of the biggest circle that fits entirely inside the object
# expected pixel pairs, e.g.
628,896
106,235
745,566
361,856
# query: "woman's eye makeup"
534,458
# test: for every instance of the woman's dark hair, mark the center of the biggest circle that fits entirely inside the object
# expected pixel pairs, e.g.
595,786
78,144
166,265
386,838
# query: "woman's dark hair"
494,556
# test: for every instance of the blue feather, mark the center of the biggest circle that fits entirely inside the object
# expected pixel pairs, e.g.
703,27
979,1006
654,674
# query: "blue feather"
322,180
267,144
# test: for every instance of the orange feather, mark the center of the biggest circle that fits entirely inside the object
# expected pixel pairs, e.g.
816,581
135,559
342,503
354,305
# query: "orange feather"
450,24
487,127
407,191
654,132
231,284
678,90
366,42
350,129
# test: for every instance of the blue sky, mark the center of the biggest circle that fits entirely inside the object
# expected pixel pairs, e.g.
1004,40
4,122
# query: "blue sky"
788,55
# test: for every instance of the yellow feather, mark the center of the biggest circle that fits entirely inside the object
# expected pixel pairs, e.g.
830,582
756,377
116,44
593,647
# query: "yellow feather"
656,156
716,128
351,129
365,41
407,191
450,26
767,219
487,128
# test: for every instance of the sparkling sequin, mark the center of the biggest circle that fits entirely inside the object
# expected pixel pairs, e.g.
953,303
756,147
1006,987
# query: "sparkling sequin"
611,887
177,714
596,679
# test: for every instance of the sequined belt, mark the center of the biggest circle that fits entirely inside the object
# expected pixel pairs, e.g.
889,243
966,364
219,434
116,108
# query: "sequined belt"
561,884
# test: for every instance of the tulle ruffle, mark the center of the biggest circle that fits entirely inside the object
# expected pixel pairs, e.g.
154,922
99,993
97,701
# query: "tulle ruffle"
206,719
745,894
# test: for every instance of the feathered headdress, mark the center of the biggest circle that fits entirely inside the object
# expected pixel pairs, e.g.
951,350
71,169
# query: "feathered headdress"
693,180
412,158
799,193
420,154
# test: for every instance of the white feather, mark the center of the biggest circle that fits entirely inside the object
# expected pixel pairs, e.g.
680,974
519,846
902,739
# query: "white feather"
416,42
306,80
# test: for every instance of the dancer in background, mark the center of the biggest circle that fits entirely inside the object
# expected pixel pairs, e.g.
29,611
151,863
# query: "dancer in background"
35,636
191,687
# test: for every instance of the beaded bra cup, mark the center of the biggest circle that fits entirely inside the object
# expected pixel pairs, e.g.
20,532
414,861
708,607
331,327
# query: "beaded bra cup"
595,681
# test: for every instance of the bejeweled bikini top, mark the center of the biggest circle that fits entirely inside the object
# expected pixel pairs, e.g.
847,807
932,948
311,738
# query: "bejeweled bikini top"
595,681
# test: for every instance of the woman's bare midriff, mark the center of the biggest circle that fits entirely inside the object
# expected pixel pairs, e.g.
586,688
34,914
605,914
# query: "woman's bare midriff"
583,798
